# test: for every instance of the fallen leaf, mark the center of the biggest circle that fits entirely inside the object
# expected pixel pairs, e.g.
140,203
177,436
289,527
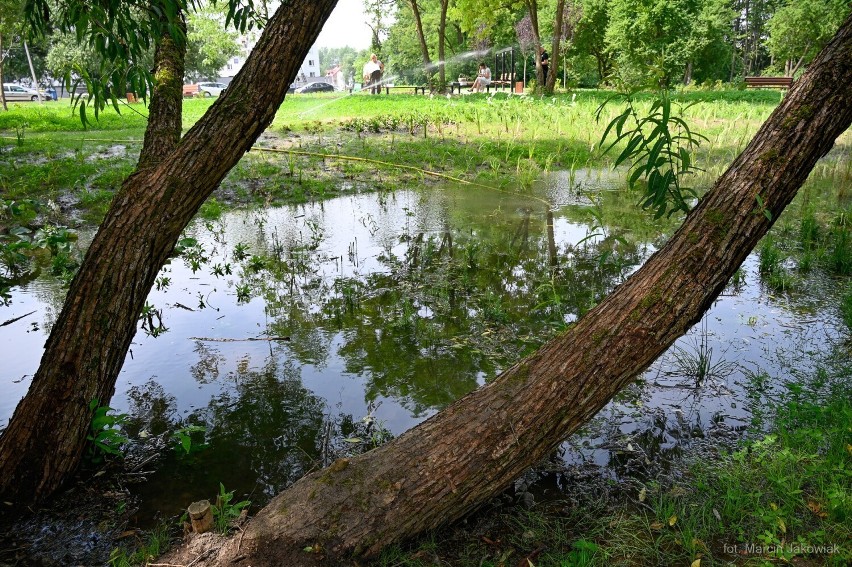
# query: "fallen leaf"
657,526
696,563
782,525
816,508
716,513
643,494
673,520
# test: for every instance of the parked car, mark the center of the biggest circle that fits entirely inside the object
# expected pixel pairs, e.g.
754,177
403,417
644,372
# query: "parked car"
317,87
211,89
14,92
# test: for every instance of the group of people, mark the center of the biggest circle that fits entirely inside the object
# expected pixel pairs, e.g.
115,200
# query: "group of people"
483,77
373,70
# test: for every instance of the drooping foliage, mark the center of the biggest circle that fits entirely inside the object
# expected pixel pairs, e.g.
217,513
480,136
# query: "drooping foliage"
123,33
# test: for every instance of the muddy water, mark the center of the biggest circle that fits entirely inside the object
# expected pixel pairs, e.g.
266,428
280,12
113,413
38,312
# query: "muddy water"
291,336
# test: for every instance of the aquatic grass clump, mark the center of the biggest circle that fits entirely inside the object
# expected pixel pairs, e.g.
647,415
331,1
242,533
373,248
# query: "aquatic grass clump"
839,254
846,307
771,266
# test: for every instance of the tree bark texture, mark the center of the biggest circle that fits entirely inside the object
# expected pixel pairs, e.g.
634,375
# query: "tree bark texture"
451,463
532,8
165,114
86,348
442,40
556,49
424,48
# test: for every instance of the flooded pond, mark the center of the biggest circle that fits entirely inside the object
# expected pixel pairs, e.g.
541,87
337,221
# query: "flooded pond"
283,338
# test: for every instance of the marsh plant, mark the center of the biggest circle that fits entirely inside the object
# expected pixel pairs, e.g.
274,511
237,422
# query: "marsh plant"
658,145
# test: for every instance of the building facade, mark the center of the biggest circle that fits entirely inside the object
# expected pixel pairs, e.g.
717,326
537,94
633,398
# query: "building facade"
308,72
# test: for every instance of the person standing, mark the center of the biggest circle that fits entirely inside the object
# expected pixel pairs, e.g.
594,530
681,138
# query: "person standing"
373,70
545,64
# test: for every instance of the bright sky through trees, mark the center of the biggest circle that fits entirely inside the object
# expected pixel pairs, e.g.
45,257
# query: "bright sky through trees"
346,26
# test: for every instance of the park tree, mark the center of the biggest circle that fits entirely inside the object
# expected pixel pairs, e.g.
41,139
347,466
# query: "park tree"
798,30
446,466
417,8
379,12
11,23
345,57
209,44
590,36
750,32
667,36
44,441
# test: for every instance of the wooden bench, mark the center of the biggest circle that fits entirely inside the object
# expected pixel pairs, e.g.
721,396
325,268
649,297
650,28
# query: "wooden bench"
190,90
417,88
504,81
769,82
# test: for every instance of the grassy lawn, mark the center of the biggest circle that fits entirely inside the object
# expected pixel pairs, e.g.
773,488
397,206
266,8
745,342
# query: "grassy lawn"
504,141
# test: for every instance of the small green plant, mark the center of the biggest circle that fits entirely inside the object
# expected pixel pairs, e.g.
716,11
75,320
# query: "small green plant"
211,209
224,513
184,438
105,436
658,146
153,544
240,252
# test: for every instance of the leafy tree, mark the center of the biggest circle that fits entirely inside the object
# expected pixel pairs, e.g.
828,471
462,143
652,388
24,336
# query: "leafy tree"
750,33
11,22
590,36
379,12
665,35
800,28
345,57
209,44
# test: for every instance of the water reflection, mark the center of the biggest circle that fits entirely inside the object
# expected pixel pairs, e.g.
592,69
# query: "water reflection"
287,327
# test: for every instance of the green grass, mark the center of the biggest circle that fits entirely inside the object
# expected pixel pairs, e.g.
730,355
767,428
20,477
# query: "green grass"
507,142
143,550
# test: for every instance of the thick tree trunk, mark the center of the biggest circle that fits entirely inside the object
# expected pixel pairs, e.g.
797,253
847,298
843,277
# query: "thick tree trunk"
442,37
556,48
532,8
43,443
451,463
166,111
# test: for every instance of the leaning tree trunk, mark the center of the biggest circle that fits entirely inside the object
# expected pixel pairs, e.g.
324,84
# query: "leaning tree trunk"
86,348
448,465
